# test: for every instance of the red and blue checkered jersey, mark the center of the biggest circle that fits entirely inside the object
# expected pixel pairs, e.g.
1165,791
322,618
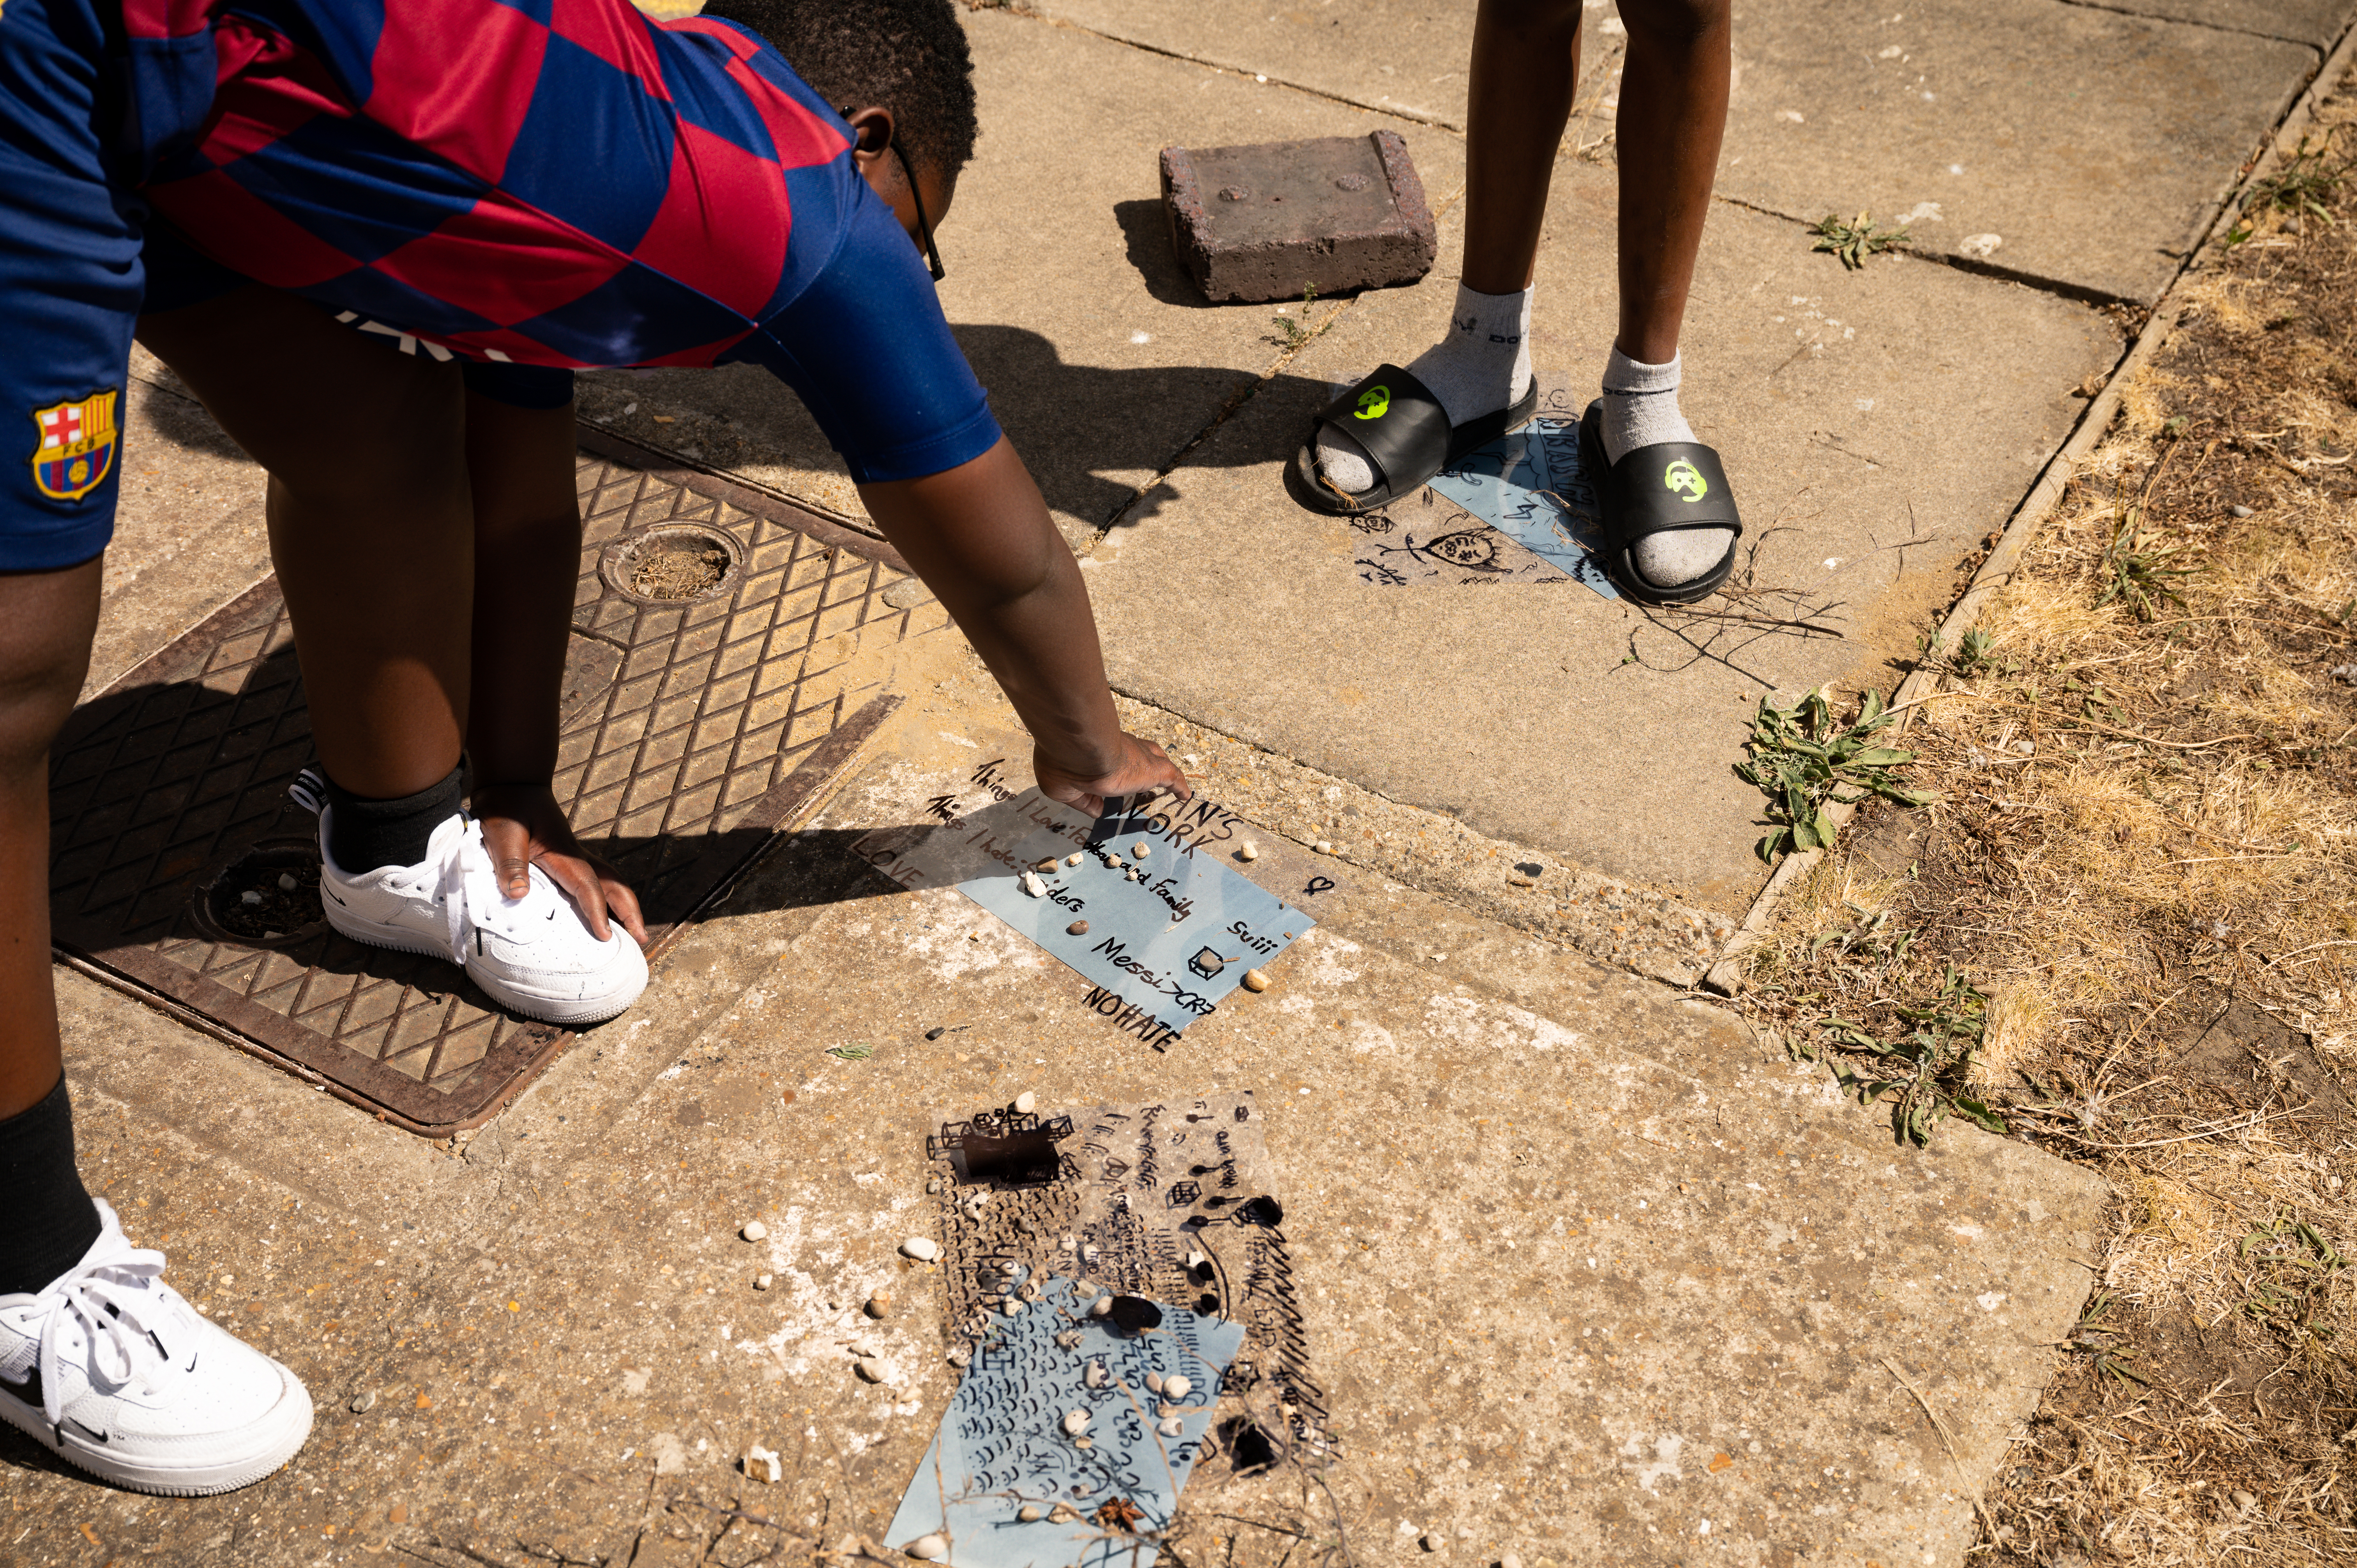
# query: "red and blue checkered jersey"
559,183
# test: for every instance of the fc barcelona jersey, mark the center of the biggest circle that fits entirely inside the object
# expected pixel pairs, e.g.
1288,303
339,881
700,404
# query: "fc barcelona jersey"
561,183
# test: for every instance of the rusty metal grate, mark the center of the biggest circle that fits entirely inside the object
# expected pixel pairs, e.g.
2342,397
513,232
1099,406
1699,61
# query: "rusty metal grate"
692,732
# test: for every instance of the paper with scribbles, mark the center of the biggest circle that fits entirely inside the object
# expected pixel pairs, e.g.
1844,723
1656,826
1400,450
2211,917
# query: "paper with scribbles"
1167,934
1002,1445
1528,486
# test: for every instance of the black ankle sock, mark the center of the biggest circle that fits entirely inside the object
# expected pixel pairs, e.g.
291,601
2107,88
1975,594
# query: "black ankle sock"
49,1221
367,835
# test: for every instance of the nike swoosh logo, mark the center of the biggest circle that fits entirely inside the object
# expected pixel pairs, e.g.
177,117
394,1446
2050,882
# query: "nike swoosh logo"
78,1427
27,1388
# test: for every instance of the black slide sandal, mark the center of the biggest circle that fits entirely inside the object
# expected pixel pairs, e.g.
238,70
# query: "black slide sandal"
1404,431
1661,488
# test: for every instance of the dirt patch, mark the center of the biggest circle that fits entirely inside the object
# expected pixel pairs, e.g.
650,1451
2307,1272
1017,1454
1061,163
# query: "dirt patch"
678,569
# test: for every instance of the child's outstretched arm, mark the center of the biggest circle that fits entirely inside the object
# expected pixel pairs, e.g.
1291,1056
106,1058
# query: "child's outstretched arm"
981,538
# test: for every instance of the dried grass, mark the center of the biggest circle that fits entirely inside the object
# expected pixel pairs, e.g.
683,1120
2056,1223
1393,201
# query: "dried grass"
2146,858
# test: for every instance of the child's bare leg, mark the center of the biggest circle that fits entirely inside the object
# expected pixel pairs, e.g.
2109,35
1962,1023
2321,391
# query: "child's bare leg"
527,563
1526,67
46,622
370,523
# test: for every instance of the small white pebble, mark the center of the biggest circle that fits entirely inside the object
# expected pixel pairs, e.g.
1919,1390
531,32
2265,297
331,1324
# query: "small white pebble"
1029,1513
1026,1103
1033,885
1141,849
929,1549
1101,1306
763,1282
285,882
924,1249
1255,980
754,1232
1176,1388
1074,858
1250,850
250,897
1172,1426
869,1370
1076,1422
1324,848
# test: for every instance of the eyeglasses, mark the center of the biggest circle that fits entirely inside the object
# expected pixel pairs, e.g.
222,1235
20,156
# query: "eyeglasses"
925,230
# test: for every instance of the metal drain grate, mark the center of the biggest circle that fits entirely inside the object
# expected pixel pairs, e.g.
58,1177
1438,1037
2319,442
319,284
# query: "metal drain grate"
692,732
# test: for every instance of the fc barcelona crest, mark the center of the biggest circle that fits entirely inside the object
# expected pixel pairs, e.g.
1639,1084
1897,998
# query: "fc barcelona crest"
76,448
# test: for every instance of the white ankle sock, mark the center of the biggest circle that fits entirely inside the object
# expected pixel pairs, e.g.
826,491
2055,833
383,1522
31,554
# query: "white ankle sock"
1483,365
1640,409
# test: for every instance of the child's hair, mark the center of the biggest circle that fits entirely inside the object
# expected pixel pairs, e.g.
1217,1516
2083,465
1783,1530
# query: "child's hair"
908,56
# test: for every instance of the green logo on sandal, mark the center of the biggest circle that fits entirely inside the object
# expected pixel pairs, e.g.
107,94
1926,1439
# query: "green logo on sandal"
1686,479
1375,403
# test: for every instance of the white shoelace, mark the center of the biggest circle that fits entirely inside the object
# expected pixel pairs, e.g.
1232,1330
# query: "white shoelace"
114,1298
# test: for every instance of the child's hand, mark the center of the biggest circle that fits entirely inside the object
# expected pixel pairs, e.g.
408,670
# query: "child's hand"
1144,769
524,827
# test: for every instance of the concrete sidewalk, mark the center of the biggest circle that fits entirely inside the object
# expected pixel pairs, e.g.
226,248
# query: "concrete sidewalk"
1586,1272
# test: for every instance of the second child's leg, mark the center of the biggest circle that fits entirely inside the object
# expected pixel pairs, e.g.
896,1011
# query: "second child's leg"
1525,66
1673,113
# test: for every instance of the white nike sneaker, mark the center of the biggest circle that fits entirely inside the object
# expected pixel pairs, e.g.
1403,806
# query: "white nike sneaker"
532,954
111,1370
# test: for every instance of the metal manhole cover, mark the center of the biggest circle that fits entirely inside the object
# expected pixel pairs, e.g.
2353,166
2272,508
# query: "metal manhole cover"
691,730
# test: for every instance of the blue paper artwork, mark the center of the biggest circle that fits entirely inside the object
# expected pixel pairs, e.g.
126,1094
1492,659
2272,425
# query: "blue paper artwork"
1169,929
1009,1442
1528,486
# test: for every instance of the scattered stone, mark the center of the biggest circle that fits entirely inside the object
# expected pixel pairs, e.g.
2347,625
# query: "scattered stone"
1248,851
870,1371
763,1282
1077,929
1519,880
1076,1422
1172,1426
1510,1561
1063,1513
1154,1382
754,1232
1255,980
1048,865
285,882
761,1465
878,1306
1074,858
251,897
1028,1513
924,1249
1011,1306
1175,1387
1084,1444
958,1356
1095,1376
932,1187
1033,885
929,1549
935,1033
2239,512
1070,1339
1101,1307
1025,1102
1323,847
866,1349
1027,1291
1141,849
363,1403
1430,1541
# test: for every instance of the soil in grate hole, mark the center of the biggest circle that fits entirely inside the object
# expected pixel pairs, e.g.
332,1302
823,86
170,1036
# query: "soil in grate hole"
678,569
262,903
